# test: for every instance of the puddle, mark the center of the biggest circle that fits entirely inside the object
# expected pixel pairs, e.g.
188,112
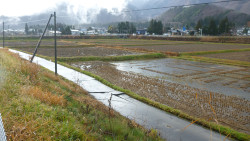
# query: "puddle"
210,77
169,126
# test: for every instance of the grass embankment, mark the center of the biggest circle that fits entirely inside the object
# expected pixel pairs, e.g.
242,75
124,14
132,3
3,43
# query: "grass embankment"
60,46
213,52
211,125
192,56
37,105
112,58
215,60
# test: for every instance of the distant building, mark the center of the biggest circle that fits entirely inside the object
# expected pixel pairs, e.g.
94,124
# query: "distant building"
176,32
141,32
75,32
52,32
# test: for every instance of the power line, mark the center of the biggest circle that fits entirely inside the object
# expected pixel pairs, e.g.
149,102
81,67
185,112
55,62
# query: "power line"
138,10
16,23
155,8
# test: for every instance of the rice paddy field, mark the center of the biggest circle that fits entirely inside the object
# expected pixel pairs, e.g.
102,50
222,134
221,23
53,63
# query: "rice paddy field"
210,81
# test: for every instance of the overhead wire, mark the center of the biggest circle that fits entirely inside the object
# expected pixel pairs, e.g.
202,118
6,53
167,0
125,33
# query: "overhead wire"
137,10
165,7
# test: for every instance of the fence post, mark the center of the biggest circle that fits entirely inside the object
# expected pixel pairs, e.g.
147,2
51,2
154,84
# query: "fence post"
55,43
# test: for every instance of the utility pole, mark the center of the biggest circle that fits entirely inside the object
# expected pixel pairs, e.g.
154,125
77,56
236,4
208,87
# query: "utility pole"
39,42
3,34
55,43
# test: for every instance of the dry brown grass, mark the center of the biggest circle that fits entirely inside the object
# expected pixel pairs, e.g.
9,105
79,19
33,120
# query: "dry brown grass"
45,97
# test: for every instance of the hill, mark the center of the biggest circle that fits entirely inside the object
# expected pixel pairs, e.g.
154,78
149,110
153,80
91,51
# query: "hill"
190,15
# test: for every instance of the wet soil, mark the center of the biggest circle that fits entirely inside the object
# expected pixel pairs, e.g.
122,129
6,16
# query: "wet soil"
29,43
232,111
79,51
189,47
241,56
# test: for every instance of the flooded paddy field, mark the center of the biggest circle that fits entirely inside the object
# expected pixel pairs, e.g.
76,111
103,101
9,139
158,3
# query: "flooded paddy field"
242,56
79,51
191,87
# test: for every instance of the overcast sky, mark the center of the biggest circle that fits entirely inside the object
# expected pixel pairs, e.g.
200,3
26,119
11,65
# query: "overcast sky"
29,7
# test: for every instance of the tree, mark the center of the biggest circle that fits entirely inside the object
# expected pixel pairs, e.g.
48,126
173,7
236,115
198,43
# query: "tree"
155,27
245,31
132,28
198,25
66,31
89,28
26,29
112,29
212,28
126,27
224,26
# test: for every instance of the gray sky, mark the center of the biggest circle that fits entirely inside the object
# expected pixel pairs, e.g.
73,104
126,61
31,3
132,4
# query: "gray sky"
29,7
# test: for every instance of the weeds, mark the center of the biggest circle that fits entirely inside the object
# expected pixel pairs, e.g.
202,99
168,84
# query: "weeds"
112,58
51,109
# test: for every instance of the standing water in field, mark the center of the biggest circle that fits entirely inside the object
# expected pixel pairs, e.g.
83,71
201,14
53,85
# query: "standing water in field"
227,80
169,126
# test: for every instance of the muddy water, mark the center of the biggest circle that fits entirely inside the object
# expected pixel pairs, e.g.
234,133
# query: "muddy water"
169,126
227,80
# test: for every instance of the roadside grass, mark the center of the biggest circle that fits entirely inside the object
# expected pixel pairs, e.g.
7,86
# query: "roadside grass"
60,46
211,125
214,60
37,105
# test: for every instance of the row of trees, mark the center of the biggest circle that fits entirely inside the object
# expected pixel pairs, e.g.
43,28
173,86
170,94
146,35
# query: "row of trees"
223,28
122,27
35,29
155,27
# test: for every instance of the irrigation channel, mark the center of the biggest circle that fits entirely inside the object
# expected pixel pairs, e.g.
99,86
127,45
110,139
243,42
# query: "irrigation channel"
169,126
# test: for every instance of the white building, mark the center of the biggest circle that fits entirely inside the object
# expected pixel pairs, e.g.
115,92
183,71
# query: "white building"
75,32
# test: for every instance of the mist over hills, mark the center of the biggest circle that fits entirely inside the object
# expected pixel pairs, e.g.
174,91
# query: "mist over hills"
192,14
67,14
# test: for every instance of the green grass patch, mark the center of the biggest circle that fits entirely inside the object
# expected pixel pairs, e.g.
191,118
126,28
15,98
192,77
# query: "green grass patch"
52,46
112,58
213,52
215,60
219,128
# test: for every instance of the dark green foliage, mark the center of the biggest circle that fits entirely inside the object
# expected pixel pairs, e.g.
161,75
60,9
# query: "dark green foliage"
155,27
245,31
126,27
224,26
66,31
212,28
198,25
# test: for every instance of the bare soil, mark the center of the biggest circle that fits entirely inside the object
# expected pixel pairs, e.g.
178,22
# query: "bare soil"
190,47
79,51
34,43
227,110
241,56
